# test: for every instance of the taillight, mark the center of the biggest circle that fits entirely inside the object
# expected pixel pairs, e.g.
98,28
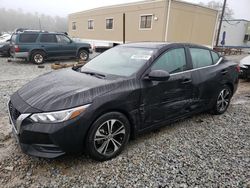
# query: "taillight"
17,49
238,68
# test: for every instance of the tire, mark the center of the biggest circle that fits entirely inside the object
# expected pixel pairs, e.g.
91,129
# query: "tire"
38,57
104,141
222,101
83,55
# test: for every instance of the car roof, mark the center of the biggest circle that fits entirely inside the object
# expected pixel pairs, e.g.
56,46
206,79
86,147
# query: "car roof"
38,32
159,45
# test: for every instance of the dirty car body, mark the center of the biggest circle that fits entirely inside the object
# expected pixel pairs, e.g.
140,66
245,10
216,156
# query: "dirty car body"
150,97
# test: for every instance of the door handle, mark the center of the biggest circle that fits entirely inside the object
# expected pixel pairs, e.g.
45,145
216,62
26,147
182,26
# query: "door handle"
224,71
186,81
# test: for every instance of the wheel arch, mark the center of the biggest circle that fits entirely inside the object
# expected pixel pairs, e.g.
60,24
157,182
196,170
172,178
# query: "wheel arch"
82,48
37,49
231,86
129,116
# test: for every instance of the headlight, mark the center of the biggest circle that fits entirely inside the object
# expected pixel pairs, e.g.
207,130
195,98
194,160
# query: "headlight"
58,116
243,66
1,46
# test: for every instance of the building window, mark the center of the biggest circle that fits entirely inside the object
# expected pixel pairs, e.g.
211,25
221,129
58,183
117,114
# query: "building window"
109,23
247,38
90,24
73,25
146,22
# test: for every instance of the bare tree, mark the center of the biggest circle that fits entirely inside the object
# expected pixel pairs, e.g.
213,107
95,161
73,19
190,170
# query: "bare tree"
12,19
218,6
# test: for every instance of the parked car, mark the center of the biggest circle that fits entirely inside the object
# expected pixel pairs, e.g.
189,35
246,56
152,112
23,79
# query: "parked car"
5,48
245,68
37,46
123,92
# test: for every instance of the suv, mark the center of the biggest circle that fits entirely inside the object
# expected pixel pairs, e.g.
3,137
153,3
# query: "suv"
36,46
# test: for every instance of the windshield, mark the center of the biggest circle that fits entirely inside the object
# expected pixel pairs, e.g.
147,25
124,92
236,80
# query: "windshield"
120,61
13,39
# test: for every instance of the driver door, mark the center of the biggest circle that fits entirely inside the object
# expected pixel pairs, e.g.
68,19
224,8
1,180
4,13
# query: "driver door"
167,100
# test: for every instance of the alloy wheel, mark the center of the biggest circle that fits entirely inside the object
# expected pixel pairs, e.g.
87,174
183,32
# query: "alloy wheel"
83,56
223,100
109,137
38,58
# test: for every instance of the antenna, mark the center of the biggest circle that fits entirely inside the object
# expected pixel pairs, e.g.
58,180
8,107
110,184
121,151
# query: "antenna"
40,26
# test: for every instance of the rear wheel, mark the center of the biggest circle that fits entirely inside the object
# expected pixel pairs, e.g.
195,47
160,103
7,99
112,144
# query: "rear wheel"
83,55
223,100
108,136
38,57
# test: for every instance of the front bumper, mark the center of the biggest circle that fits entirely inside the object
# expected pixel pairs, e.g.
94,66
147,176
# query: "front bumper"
48,140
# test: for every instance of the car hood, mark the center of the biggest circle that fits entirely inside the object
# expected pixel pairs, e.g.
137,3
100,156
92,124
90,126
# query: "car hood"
4,43
64,89
245,61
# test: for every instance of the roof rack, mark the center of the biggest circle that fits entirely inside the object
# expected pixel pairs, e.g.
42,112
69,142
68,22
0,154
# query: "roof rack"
25,30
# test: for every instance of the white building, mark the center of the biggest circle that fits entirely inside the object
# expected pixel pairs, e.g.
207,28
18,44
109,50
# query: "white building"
237,33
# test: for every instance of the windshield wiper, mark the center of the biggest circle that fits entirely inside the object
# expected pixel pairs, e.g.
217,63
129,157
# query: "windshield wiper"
98,75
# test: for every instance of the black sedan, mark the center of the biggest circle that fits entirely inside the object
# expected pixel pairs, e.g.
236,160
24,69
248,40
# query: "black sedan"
121,93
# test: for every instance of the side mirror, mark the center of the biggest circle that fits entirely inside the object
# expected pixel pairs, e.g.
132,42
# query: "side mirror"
158,75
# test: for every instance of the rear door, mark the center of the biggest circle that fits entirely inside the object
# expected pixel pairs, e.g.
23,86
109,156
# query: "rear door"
49,43
67,46
207,75
162,101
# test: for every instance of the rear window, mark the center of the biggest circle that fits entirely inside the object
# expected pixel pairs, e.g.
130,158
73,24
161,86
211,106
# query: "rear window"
48,38
200,57
28,38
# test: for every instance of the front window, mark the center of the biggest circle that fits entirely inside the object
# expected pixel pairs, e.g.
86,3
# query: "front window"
90,24
120,61
73,25
146,22
109,23
62,39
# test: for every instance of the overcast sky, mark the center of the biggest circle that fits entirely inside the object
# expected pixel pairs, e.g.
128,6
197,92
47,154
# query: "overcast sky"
64,7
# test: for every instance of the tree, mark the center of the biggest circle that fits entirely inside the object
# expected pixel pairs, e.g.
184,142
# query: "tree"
218,6
11,19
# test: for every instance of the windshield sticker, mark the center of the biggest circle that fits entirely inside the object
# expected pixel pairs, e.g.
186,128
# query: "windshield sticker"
141,57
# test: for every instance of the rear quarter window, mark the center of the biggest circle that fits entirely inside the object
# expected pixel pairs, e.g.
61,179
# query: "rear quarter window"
201,57
28,38
215,57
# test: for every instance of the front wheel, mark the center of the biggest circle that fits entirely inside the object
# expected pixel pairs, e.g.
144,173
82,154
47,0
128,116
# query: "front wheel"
223,100
83,55
108,136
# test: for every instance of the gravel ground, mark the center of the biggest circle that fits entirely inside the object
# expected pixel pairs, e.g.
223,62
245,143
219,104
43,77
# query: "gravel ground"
203,151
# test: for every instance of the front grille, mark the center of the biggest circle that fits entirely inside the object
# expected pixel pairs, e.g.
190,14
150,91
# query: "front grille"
14,113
